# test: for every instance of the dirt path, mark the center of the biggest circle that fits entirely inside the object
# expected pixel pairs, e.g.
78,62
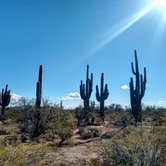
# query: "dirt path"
76,155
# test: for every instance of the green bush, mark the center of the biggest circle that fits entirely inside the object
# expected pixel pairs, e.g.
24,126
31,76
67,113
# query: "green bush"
121,119
136,146
89,132
10,156
3,143
2,129
63,125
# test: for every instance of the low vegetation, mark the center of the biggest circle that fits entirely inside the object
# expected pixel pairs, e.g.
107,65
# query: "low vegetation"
117,141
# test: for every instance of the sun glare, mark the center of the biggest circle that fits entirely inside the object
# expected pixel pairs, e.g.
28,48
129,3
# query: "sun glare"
161,5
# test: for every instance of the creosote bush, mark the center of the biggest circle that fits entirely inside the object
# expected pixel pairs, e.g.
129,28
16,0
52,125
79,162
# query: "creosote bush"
63,125
136,146
89,132
2,129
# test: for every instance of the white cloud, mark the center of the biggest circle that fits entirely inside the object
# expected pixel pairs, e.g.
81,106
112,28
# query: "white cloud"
162,102
72,96
124,87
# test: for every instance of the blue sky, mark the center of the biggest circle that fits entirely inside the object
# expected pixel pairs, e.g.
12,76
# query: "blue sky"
65,35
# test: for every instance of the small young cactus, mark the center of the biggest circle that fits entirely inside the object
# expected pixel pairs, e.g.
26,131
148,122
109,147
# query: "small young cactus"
5,98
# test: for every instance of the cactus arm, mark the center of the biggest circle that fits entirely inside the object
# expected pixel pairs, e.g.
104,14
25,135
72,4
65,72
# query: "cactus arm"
136,62
132,67
106,92
142,87
145,75
131,90
82,90
97,93
87,73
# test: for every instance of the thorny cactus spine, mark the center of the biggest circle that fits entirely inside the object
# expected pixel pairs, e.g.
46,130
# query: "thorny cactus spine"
102,95
5,98
137,92
86,89
39,88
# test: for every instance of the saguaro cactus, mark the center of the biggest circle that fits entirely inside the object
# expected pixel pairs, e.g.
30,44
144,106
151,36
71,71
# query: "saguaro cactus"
102,95
137,92
86,89
5,98
39,88
37,119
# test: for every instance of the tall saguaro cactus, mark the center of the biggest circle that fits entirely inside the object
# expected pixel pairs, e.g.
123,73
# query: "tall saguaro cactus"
39,88
37,119
102,95
137,92
86,89
5,98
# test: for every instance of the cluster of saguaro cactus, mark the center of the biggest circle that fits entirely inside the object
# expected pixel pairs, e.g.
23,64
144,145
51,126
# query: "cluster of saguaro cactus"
86,89
5,98
137,92
102,95
39,88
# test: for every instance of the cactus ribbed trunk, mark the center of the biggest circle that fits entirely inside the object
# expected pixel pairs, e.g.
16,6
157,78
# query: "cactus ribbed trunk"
137,92
102,96
4,99
86,105
3,110
102,108
37,127
39,88
86,90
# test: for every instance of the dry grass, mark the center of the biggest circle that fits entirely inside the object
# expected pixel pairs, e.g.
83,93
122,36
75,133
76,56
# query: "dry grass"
78,151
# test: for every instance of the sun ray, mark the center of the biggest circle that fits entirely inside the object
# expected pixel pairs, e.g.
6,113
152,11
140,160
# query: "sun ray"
122,27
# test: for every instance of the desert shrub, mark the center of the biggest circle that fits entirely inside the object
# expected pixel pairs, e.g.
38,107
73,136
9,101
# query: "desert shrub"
78,115
11,156
63,125
121,119
3,131
89,132
136,146
107,135
35,154
38,123
11,139
35,121
90,117
3,143
23,127
94,162
12,113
